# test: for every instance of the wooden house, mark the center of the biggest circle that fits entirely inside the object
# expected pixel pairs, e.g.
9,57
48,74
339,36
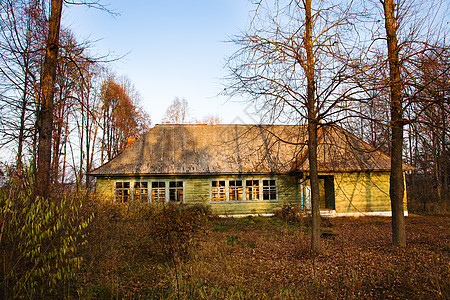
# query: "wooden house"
248,169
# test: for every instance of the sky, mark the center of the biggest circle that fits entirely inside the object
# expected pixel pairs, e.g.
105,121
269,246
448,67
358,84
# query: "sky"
172,48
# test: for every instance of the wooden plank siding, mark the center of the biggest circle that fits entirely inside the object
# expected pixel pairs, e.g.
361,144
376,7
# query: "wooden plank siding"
288,191
354,175
355,192
360,192
197,191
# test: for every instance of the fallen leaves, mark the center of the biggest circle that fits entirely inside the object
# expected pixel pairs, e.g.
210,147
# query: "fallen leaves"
263,258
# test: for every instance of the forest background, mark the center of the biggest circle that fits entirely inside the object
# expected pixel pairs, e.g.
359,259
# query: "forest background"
379,69
96,111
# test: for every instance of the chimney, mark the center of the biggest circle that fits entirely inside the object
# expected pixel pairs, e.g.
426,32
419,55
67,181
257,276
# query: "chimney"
130,140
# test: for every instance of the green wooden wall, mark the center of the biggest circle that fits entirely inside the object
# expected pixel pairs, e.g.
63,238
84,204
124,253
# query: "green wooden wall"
354,192
197,191
362,192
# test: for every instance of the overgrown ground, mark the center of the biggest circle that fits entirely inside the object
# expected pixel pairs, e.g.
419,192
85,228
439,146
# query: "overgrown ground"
264,258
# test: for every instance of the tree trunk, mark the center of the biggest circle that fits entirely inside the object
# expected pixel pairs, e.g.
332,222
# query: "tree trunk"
396,189
58,129
445,161
21,139
66,134
436,162
88,141
314,179
312,131
82,153
45,114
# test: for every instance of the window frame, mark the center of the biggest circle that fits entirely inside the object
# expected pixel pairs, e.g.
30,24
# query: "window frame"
118,191
181,190
233,189
253,190
219,190
159,191
270,188
177,189
140,193
244,192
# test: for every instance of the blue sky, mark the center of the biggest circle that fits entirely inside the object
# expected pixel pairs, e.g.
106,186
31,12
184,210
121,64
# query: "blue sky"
176,49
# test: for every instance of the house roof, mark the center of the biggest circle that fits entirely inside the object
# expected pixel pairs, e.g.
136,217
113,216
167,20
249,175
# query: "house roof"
197,149
339,150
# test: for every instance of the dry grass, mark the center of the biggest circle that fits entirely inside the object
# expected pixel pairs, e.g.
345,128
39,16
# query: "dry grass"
264,258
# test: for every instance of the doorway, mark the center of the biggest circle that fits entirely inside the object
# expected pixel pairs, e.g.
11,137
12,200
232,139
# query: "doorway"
326,183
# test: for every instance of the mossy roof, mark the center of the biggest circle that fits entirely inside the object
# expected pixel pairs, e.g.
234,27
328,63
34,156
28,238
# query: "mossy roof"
218,149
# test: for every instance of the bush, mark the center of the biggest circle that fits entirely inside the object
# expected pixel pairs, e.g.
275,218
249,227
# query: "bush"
174,227
291,213
38,241
294,214
200,209
425,199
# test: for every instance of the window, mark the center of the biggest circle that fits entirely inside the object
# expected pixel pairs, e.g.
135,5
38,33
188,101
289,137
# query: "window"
236,190
140,191
269,190
244,190
158,191
252,189
218,190
176,191
122,191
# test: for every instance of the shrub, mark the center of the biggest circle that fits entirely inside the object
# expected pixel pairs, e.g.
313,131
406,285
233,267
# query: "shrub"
173,228
200,209
425,199
38,241
291,213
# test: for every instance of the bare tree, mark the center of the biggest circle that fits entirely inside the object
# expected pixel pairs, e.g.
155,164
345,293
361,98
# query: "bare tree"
294,62
396,189
89,105
21,24
177,112
62,104
406,42
428,136
435,119
209,120
24,29
74,71
395,35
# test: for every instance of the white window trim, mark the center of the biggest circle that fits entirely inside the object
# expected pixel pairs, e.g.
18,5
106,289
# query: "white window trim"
166,190
244,193
130,195
276,189
132,190
260,198
149,187
244,190
226,190
151,199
